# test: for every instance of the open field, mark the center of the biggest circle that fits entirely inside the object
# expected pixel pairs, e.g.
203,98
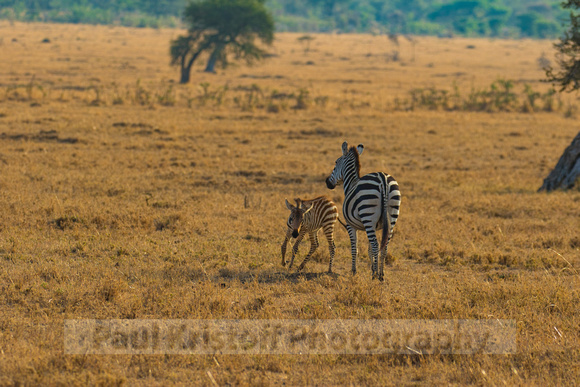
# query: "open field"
125,195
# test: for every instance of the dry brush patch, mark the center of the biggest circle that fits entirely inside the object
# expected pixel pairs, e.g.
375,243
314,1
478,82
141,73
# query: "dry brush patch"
118,203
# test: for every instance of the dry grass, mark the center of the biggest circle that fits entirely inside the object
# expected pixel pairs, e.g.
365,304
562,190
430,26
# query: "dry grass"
125,195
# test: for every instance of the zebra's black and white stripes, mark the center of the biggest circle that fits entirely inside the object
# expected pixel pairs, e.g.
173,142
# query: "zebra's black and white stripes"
307,217
370,203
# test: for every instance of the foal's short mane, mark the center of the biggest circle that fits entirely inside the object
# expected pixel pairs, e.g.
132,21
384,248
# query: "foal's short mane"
301,201
316,198
355,154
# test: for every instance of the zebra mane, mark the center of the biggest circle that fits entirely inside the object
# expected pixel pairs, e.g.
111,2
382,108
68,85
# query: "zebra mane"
355,154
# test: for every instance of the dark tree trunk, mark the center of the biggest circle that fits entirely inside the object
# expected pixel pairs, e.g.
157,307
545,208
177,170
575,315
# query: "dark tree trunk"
185,74
210,68
187,65
567,171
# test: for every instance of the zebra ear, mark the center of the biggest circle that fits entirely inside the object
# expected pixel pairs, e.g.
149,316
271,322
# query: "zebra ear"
288,205
344,148
360,148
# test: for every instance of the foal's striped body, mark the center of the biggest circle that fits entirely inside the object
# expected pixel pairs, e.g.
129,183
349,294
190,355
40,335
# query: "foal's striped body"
308,217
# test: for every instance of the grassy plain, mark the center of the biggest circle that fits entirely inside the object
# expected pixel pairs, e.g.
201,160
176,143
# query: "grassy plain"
126,195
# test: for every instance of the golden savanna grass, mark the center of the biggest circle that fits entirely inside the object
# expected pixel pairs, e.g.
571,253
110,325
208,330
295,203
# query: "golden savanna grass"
126,195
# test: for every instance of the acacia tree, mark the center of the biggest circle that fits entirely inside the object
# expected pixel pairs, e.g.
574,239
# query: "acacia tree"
568,55
222,28
567,170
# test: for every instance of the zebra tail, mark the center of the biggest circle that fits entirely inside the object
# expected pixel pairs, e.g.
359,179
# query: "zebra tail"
386,219
343,224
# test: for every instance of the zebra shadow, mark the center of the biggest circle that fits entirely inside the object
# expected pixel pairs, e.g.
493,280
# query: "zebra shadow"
246,276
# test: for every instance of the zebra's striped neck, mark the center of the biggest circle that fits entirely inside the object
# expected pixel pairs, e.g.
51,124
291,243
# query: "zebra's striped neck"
350,175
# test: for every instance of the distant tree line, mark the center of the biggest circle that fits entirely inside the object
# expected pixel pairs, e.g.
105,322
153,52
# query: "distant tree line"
132,13
497,18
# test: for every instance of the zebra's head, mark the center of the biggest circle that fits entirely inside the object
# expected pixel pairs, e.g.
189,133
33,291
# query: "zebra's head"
346,164
297,215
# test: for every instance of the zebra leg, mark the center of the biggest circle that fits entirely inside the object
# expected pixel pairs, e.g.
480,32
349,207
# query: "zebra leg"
328,233
353,247
284,245
373,250
371,260
313,246
295,247
383,258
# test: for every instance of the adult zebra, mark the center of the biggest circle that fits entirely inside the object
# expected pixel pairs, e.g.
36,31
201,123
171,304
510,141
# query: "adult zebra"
370,203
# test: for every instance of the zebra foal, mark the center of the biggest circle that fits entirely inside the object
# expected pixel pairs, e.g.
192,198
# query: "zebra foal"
371,203
308,217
